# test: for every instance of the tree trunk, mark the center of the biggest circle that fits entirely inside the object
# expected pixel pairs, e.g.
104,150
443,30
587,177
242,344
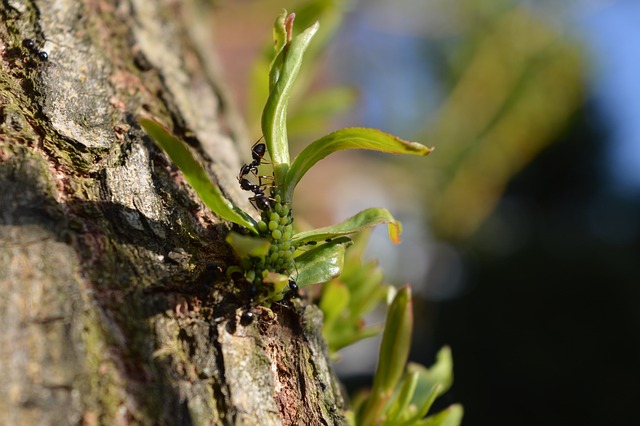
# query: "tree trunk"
114,302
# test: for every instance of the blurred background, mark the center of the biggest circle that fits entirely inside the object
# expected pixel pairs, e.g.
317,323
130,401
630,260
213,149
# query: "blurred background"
521,230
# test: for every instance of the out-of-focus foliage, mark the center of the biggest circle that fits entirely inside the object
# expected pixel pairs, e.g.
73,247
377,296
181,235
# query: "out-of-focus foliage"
352,295
401,394
513,81
515,91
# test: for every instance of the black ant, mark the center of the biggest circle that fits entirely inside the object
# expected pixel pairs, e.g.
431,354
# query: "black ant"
31,46
257,152
260,200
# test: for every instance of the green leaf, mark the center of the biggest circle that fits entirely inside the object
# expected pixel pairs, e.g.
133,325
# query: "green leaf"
284,70
321,263
335,298
245,246
197,177
350,335
432,382
394,351
366,287
451,416
402,399
279,37
350,138
396,341
363,220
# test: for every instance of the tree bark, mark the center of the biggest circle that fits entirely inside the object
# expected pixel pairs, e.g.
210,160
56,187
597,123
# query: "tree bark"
114,301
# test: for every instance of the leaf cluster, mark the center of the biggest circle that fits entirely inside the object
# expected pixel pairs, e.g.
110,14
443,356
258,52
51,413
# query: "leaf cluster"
318,254
402,394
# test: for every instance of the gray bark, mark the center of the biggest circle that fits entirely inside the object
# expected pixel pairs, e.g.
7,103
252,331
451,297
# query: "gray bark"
114,302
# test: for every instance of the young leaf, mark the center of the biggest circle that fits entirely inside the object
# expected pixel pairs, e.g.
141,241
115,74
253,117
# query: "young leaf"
402,399
197,177
432,382
350,138
394,351
451,416
396,341
285,68
245,246
363,220
321,263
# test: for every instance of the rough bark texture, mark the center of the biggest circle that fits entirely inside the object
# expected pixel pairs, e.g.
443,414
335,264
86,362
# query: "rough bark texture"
114,304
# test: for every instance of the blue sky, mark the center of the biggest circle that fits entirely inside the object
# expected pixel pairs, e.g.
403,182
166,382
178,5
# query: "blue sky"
611,31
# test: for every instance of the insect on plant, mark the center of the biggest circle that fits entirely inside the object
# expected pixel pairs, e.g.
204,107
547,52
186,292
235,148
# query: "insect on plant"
260,199
271,253
275,260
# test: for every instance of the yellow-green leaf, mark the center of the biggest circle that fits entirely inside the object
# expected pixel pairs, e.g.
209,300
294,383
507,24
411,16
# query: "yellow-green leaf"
197,177
349,138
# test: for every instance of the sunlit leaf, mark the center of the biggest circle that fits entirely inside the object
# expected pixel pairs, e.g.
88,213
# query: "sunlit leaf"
402,398
349,138
331,14
432,382
394,351
197,177
245,246
451,416
396,341
321,263
363,220
284,70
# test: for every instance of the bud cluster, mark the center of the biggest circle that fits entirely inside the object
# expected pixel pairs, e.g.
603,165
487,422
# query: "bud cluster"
276,226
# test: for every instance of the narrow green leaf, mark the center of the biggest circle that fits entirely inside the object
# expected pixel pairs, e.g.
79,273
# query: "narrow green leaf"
245,246
365,219
396,341
274,117
350,138
432,382
438,379
321,263
197,177
416,415
394,351
402,398
451,416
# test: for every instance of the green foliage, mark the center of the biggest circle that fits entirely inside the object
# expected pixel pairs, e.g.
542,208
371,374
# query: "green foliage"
197,177
352,295
281,254
402,396
308,111
353,138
